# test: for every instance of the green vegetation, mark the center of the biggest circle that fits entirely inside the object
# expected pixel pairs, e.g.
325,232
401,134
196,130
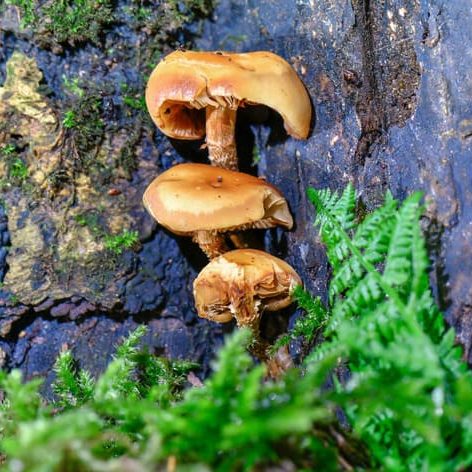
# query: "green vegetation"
160,17
91,220
407,396
27,8
17,170
66,21
87,129
136,103
72,85
78,21
256,156
69,119
8,150
118,242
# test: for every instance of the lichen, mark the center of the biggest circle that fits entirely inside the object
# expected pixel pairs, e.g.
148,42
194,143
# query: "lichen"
67,231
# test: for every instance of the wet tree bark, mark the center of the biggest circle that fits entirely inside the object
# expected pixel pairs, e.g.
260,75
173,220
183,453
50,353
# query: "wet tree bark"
391,86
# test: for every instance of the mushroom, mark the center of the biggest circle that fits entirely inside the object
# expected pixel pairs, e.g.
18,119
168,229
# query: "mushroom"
192,93
202,201
242,284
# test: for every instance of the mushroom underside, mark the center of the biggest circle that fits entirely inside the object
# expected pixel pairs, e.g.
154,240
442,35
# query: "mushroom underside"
247,309
213,243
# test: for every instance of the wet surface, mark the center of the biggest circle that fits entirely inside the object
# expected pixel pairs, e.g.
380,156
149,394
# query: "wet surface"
391,85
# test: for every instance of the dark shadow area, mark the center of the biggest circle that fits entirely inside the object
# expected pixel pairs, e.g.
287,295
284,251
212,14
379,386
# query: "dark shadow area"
191,252
275,323
191,151
434,232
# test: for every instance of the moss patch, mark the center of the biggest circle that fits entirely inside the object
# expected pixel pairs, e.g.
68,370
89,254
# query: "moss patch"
65,21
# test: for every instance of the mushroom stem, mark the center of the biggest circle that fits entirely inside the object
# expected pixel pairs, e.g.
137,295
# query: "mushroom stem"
220,129
258,347
212,244
276,364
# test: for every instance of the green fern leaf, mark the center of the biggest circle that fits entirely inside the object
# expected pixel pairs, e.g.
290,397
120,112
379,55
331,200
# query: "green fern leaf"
398,266
340,210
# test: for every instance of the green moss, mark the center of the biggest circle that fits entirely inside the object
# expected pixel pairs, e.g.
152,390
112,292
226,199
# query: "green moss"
78,20
167,16
8,150
69,119
72,85
137,103
91,220
119,242
17,170
28,11
116,243
84,122
66,21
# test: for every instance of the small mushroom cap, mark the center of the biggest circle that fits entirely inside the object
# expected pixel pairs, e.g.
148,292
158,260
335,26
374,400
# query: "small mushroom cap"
199,197
185,82
243,283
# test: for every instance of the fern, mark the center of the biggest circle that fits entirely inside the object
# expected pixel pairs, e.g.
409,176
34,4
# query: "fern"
385,325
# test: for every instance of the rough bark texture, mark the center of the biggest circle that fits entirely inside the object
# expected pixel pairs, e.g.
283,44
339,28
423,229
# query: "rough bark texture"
391,85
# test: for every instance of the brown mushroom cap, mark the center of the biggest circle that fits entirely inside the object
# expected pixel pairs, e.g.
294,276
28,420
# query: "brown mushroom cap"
197,197
243,283
186,81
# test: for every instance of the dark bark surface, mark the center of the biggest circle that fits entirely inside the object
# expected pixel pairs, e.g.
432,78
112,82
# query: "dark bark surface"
391,86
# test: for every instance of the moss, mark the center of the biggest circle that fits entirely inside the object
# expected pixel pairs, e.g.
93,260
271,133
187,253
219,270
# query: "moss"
28,11
116,243
16,170
119,242
87,130
91,220
69,119
66,21
163,17
72,85
60,218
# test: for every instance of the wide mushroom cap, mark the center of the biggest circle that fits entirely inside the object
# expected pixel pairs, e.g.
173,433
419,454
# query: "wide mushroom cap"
185,82
242,284
197,197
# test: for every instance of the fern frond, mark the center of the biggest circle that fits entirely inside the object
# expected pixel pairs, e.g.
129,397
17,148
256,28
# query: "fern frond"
343,243
362,296
334,208
398,270
372,238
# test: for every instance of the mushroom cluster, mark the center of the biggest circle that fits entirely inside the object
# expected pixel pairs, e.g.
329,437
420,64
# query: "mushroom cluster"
192,95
